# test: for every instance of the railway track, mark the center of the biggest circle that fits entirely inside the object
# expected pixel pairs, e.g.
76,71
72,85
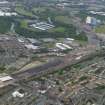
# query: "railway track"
56,64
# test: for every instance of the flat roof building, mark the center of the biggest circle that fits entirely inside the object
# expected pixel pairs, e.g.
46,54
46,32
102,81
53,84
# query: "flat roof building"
5,80
42,26
31,47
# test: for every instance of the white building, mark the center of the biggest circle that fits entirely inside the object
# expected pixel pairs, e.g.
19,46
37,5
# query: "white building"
88,20
18,94
8,13
31,47
91,20
21,40
63,46
67,46
5,80
70,39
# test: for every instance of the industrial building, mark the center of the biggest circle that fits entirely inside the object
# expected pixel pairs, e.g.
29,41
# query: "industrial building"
5,80
33,41
7,13
48,40
30,46
62,46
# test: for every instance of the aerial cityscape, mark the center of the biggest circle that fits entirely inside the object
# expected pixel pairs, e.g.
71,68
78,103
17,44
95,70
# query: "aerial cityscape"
52,52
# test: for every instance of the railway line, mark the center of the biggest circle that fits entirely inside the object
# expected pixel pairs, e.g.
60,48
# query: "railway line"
56,64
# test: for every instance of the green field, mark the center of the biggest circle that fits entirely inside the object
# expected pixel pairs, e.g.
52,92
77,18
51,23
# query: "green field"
61,30
24,24
39,10
64,19
100,29
57,29
24,12
5,24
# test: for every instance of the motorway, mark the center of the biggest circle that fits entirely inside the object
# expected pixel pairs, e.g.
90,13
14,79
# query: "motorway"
74,57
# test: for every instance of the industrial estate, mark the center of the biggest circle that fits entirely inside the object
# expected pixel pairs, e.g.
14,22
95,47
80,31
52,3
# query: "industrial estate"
52,52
